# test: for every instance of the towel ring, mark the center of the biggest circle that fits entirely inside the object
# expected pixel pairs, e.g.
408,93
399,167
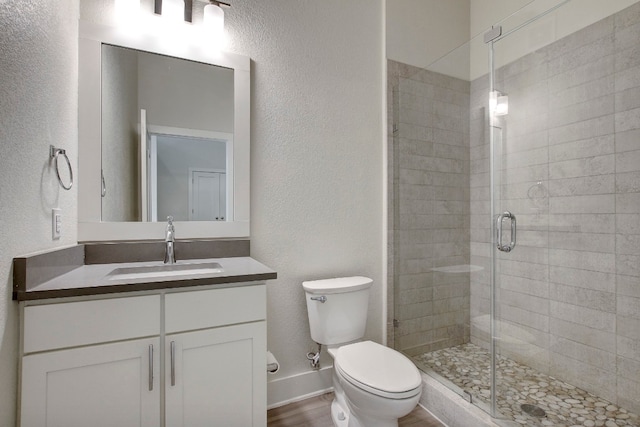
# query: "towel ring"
53,155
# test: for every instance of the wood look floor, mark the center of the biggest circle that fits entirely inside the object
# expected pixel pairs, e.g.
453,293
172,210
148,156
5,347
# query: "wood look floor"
316,412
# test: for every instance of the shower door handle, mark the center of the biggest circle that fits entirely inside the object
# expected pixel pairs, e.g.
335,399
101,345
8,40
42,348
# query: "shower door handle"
499,221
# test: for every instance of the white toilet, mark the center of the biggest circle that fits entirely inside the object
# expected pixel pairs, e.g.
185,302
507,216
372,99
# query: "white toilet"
374,385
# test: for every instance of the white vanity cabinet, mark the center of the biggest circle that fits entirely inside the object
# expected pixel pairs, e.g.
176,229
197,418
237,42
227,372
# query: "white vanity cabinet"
215,364
170,358
211,377
102,385
91,363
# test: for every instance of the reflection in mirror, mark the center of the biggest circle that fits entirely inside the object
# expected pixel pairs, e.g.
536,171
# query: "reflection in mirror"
187,178
167,138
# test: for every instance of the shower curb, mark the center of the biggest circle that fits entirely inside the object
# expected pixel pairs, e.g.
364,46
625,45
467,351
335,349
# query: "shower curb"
452,409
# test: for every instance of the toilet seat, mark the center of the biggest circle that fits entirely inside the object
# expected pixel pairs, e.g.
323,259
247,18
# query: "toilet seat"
378,370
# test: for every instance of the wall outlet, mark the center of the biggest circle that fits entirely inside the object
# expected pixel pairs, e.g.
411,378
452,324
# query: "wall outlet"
56,223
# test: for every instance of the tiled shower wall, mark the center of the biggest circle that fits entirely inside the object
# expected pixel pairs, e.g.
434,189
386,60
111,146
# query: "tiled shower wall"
429,212
569,168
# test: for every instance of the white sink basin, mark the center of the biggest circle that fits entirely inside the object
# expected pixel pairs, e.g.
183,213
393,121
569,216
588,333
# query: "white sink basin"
165,270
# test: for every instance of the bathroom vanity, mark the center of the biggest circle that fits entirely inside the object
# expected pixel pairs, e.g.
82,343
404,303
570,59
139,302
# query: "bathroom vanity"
109,336
181,350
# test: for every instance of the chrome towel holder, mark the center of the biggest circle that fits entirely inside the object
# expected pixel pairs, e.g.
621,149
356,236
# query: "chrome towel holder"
54,153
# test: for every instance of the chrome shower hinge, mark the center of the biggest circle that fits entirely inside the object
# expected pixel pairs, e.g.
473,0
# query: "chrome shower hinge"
493,34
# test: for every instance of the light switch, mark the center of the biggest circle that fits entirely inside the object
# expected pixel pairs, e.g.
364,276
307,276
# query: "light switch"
56,223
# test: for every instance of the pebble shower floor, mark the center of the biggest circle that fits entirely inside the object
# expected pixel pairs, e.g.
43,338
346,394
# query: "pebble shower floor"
565,405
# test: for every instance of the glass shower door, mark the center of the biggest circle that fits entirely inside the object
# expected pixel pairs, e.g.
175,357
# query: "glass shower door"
554,194
518,117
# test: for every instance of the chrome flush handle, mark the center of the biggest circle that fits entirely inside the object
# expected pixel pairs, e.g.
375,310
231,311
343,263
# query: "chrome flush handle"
321,299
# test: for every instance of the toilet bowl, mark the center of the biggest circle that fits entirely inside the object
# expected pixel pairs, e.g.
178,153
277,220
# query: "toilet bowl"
377,385
374,385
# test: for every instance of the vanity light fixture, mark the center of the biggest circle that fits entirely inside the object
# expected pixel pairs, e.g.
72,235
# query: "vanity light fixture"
172,10
498,103
214,17
183,10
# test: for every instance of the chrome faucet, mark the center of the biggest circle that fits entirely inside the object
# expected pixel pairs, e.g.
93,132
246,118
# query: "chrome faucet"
170,240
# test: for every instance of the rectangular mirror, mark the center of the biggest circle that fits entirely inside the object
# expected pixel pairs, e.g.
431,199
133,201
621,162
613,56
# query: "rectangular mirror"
164,131
167,126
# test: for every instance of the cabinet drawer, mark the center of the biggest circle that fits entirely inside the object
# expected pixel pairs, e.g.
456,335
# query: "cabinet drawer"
216,307
53,326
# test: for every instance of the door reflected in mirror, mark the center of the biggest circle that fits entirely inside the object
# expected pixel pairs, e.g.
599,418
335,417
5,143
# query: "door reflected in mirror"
187,178
167,138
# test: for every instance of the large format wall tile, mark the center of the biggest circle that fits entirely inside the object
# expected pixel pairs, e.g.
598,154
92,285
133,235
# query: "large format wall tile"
627,163
431,208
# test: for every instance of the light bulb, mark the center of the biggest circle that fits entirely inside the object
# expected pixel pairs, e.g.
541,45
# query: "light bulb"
502,107
498,103
173,10
214,20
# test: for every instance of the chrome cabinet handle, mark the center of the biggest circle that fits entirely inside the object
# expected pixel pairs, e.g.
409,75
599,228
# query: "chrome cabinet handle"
150,367
173,363
499,221
322,299
103,192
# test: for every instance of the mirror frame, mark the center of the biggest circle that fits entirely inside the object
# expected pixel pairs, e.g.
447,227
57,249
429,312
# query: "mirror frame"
90,224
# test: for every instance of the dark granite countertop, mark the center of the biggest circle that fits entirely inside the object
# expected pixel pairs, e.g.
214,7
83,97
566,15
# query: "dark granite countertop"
41,276
95,279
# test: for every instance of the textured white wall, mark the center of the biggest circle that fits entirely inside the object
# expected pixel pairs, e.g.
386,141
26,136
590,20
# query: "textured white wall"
485,13
316,153
421,31
38,106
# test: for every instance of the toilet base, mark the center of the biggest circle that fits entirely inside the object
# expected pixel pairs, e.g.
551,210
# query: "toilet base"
356,407
339,416
342,417
362,409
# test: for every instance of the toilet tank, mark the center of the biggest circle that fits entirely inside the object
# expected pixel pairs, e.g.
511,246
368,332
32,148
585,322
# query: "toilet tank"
342,317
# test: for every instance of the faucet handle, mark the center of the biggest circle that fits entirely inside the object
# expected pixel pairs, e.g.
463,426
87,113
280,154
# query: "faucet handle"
170,229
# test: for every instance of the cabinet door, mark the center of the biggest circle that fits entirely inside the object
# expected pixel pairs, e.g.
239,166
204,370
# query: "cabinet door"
217,377
103,385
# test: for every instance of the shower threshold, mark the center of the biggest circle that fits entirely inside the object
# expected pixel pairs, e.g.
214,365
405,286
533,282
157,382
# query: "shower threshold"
519,386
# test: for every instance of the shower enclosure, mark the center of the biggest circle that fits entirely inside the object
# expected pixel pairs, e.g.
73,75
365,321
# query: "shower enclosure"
514,167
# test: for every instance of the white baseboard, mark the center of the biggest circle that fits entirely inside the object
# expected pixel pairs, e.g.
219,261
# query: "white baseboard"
299,387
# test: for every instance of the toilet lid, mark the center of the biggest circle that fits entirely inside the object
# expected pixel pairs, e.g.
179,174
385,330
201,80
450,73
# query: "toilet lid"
337,285
378,369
